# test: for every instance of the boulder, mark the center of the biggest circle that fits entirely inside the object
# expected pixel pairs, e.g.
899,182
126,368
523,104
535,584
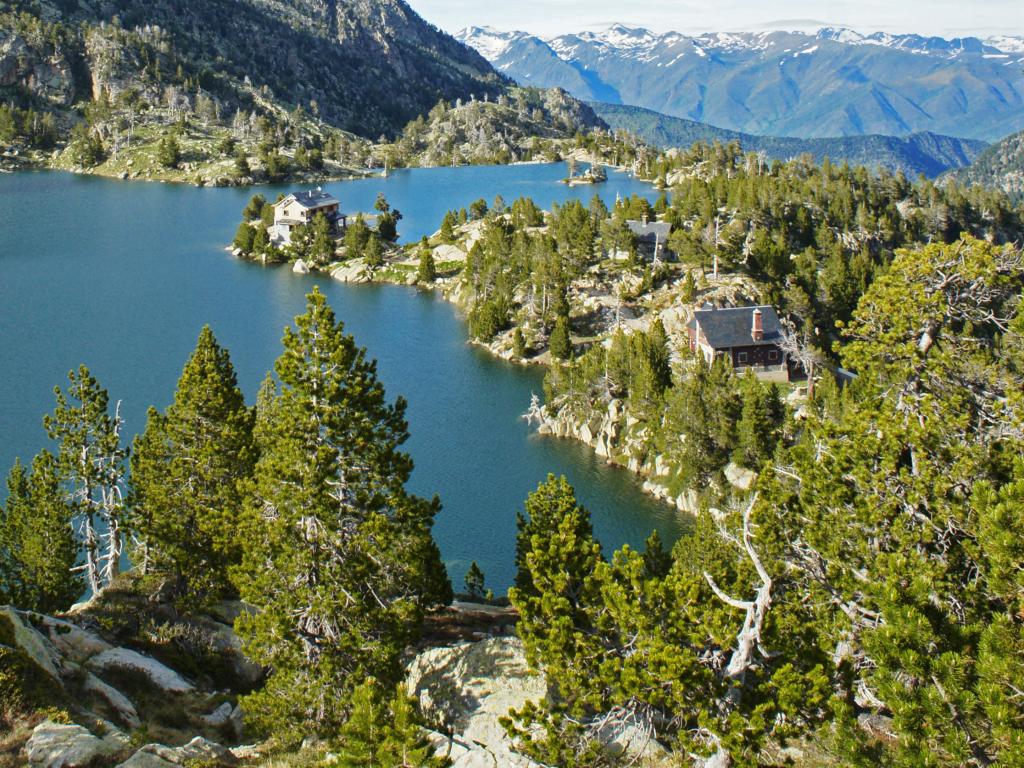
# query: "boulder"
465,689
145,760
448,253
630,741
120,703
300,267
29,640
72,641
162,677
220,716
351,272
198,750
55,745
739,477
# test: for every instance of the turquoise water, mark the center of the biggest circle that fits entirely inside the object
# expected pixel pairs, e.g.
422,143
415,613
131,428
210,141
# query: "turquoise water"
121,276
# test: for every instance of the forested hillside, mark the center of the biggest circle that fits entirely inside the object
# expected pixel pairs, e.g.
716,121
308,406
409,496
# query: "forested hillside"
926,153
365,66
1001,166
256,92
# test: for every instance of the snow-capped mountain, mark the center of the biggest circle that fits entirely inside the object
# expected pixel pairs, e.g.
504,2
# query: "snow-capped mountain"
832,82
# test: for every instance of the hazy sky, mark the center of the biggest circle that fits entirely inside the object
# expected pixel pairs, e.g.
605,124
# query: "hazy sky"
948,18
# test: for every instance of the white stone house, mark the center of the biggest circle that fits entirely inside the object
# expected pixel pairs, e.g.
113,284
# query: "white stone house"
299,208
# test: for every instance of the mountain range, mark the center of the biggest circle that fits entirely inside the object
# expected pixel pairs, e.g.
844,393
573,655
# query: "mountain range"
919,153
367,66
835,82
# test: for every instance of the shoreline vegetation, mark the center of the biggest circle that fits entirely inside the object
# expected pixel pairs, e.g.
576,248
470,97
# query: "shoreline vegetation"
574,290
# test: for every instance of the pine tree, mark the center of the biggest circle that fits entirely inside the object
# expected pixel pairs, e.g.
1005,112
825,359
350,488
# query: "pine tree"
474,581
321,246
338,556
91,464
427,270
188,472
518,343
448,224
384,733
373,253
560,341
38,547
757,428
244,237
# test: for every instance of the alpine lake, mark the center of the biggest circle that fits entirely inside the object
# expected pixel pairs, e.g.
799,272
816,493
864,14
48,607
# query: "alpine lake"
121,276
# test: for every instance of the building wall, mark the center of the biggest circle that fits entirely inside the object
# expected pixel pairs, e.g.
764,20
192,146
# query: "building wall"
763,355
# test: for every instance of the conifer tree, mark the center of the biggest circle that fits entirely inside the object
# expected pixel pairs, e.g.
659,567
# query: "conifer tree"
339,560
555,589
560,342
427,270
321,246
373,253
383,732
38,547
91,464
474,581
188,472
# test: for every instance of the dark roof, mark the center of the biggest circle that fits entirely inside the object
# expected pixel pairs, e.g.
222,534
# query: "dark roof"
314,198
730,327
650,230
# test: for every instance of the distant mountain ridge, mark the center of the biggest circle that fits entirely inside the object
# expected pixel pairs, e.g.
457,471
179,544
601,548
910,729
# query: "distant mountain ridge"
1000,166
927,153
835,82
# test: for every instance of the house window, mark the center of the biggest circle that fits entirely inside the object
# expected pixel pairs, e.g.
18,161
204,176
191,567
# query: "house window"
741,358
773,355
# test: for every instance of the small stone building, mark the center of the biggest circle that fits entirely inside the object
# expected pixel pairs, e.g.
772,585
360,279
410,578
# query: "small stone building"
299,208
750,337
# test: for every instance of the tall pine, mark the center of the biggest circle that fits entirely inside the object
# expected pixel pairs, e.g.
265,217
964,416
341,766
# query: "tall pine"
338,558
188,472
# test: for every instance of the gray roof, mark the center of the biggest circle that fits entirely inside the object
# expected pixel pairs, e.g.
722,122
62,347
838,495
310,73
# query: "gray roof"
650,230
730,326
314,198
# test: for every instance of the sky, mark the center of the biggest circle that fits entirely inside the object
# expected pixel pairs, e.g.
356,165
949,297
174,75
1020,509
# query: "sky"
946,18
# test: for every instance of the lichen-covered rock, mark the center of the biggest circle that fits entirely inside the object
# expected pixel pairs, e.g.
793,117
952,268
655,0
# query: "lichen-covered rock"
163,677
72,641
32,642
55,745
465,689
199,749
351,272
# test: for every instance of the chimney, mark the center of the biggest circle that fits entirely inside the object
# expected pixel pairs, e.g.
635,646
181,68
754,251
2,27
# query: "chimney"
757,326
643,219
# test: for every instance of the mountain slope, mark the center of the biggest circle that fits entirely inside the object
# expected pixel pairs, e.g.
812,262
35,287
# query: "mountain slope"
368,66
926,153
1001,166
832,83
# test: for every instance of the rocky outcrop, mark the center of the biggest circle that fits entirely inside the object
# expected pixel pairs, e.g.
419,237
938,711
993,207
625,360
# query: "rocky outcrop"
464,690
354,271
58,745
127,660
39,70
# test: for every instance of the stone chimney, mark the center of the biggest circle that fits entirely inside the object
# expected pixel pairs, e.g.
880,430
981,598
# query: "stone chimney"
757,326
643,219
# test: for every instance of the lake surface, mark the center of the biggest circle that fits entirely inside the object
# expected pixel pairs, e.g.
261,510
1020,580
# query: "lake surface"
121,276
